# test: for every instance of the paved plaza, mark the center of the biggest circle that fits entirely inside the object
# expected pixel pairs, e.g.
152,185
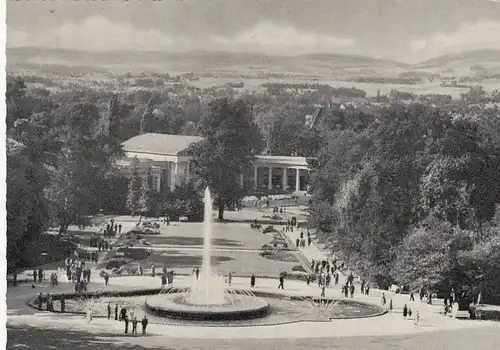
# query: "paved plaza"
389,331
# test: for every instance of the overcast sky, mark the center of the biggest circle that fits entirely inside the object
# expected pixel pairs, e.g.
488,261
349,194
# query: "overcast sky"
404,30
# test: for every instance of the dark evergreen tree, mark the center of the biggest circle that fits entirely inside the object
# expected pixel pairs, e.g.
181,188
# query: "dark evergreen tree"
147,119
231,140
134,187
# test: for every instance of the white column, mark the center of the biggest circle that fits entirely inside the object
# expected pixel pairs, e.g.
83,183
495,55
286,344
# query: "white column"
186,171
241,180
255,176
158,182
285,179
270,179
173,175
297,180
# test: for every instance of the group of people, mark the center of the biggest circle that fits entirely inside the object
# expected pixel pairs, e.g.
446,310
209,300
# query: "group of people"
54,281
279,210
49,302
38,275
301,242
407,313
290,224
128,317
112,229
76,271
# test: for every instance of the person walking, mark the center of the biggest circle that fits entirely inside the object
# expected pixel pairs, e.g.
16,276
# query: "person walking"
109,311
125,319
252,281
144,323
40,301
89,314
229,277
412,297
134,325
405,311
116,312
282,281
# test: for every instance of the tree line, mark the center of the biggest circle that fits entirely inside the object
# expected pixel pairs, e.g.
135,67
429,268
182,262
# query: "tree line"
411,194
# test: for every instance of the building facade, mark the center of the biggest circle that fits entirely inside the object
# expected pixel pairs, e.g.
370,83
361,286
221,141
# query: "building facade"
166,156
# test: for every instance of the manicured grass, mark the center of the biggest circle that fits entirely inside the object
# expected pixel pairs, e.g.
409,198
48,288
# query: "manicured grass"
239,262
228,235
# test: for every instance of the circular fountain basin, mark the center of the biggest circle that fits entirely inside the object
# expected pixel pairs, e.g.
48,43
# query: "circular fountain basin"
175,306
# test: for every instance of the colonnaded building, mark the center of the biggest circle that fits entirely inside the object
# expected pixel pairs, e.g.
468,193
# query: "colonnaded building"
166,156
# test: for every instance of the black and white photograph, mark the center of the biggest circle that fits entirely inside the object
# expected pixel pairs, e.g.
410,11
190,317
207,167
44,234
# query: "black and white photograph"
252,174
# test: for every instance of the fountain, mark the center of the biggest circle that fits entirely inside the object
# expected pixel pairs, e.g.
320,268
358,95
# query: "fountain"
208,298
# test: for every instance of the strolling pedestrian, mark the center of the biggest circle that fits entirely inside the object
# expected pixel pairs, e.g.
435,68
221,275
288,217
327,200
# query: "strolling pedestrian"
109,311
125,319
144,323
282,281
40,301
134,325
252,281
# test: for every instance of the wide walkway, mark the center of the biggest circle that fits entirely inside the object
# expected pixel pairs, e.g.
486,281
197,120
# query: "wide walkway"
391,323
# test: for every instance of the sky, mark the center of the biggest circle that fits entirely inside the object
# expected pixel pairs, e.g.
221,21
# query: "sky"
401,30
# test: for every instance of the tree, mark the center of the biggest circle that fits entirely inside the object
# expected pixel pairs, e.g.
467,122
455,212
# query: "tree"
186,201
84,162
147,119
134,187
109,124
231,140
31,156
145,204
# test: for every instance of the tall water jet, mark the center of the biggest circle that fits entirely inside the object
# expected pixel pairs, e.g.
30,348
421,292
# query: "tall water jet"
206,267
209,290
207,298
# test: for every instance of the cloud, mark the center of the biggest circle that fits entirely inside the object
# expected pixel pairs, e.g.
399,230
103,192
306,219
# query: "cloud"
95,33
483,34
269,37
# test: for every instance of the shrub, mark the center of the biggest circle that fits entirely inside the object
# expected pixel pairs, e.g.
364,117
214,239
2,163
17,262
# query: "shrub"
269,229
298,268
266,247
116,263
135,254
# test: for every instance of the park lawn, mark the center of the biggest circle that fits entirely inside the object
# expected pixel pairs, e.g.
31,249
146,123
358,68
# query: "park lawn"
238,262
234,235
